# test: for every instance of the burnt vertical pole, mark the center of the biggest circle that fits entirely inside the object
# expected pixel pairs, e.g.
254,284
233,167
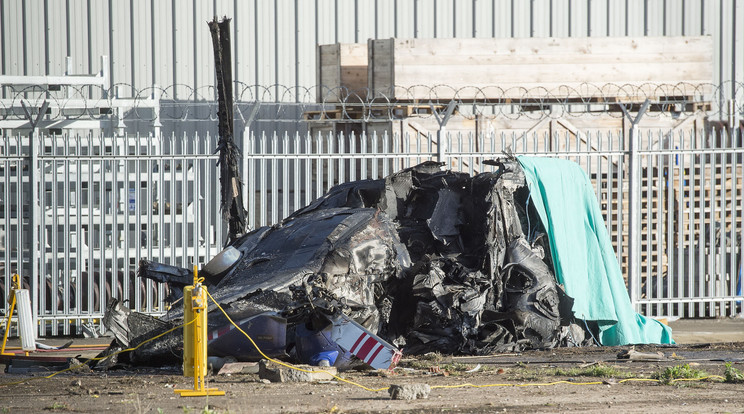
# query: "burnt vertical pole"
231,185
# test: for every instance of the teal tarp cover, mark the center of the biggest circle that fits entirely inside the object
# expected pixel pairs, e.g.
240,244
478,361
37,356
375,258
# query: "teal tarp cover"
583,256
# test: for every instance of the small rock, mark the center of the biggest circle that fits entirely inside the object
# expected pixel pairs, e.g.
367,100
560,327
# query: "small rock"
76,383
409,391
216,363
239,368
277,373
632,354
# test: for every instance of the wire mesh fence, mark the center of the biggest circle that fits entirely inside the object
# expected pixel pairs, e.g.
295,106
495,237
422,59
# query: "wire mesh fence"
108,199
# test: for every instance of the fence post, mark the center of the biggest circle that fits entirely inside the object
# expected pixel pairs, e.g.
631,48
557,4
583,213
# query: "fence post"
34,218
634,227
33,180
245,150
634,262
442,131
441,138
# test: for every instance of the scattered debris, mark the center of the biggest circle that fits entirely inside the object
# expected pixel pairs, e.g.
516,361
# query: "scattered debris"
46,347
216,364
425,259
634,355
20,364
231,199
90,330
409,391
589,364
239,368
474,369
130,329
277,373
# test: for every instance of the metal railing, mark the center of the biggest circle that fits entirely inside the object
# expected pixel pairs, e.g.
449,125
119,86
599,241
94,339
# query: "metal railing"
106,202
690,193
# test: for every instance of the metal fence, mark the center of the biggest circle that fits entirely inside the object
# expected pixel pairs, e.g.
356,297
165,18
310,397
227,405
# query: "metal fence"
177,108
688,200
105,202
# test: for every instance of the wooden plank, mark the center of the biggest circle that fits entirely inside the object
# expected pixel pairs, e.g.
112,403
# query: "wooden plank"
543,67
516,92
353,69
353,54
596,74
666,57
342,71
608,46
381,66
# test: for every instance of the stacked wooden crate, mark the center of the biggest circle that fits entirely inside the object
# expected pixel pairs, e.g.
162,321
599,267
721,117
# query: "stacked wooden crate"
341,72
624,69
392,78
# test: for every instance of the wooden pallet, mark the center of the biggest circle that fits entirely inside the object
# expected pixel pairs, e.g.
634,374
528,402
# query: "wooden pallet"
325,115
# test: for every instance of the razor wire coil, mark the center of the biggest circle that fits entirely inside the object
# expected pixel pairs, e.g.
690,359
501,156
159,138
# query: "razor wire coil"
283,103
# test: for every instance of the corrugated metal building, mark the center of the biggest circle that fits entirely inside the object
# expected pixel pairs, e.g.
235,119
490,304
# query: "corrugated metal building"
168,43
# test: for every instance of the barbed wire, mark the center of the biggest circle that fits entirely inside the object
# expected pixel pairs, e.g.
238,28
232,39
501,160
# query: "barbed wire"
282,103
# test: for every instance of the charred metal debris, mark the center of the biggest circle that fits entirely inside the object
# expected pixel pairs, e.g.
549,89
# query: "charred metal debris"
428,260
231,200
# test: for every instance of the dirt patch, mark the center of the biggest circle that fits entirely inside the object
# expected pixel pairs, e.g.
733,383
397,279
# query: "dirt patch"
503,383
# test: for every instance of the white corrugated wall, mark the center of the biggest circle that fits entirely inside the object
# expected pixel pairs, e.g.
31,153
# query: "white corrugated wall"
166,42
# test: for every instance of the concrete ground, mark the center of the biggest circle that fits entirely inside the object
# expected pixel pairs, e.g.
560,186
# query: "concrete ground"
586,379
557,380
696,331
684,331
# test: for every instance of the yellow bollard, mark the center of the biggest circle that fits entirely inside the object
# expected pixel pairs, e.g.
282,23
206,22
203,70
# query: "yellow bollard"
188,332
195,339
12,300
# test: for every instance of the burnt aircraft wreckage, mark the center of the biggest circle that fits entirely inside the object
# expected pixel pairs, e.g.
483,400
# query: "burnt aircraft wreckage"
424,259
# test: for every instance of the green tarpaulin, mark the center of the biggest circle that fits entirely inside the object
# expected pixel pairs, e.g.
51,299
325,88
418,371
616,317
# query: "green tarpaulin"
583,256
